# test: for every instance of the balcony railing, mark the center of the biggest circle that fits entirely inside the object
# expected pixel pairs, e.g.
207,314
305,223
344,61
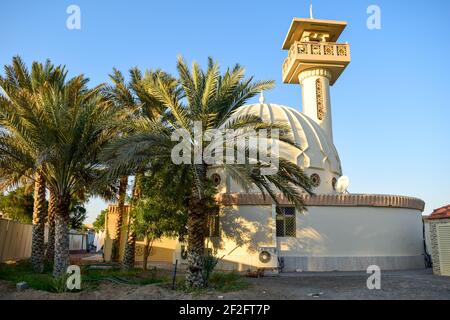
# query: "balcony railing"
320,51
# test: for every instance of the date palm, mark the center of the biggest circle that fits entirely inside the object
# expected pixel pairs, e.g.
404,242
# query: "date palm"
81,124
66,126
134,99
119,94
18,154
210,99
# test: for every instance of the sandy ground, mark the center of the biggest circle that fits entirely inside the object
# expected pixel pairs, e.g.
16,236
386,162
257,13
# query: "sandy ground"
417,284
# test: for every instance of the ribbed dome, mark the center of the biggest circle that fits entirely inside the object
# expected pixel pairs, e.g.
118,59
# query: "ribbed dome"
317,151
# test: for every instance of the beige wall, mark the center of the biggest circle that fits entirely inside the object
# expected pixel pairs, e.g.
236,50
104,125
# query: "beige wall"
162,251
15,240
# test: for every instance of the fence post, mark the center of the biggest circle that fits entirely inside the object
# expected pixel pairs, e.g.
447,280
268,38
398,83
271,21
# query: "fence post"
174,274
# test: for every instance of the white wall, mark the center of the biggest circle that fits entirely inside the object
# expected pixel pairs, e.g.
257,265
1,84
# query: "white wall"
244,229
356,231
328,238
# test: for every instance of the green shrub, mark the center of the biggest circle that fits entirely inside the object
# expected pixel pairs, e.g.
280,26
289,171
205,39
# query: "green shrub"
59,285
209,264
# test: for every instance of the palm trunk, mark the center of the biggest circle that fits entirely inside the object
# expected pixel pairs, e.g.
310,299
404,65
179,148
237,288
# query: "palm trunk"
50,254
37,244
61,261
123,182
196,236
130,245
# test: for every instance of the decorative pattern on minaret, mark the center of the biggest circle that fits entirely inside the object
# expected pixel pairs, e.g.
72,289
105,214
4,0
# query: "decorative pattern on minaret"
319,98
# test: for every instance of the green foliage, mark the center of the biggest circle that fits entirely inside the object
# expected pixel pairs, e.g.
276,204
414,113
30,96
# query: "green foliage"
59,284
22,271
90,277
210,98
228,281
17,205
161,209
210,262
77,215
55,125
99,223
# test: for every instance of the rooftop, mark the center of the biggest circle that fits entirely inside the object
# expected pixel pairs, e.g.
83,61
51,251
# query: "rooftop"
441,213
299,25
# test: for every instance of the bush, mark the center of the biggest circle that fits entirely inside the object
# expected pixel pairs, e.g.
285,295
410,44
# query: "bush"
59,285
209,264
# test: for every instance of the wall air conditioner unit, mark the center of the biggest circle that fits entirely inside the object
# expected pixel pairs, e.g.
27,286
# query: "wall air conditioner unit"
180,254
267,258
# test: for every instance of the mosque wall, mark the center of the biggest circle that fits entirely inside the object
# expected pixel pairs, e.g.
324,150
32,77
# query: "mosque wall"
327,239
244,229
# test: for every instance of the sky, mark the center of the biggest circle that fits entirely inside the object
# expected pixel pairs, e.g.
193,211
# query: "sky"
390,109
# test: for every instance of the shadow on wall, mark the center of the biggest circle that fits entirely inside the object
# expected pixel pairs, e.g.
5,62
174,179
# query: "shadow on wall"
249,230
252,227
308,240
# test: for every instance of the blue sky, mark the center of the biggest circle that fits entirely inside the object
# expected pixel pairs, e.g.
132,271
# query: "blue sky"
390,110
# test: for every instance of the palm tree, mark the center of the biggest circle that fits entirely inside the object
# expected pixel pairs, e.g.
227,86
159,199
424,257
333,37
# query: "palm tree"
82,123
19,156
121,95
65,128
210,99
134,99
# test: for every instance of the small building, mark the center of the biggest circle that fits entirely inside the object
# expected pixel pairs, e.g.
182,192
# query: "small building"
437,230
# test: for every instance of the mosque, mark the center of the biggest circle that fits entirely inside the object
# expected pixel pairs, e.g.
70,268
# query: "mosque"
340,231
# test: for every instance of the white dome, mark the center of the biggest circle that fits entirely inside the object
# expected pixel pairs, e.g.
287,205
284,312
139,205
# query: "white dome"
317,151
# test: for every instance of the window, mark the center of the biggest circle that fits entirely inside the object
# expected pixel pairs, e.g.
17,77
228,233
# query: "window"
285,222
333,183
216,179
315,180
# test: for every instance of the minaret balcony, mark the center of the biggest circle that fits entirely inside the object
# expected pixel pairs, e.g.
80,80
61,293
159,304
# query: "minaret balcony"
306,55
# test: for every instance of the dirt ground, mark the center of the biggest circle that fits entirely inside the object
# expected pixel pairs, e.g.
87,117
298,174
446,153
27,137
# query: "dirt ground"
417,284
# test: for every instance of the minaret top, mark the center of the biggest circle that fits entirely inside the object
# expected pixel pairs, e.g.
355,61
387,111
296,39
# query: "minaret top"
306,30
313,43
315,61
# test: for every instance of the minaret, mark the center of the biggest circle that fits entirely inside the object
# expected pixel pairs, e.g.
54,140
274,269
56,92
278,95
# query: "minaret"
315,61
